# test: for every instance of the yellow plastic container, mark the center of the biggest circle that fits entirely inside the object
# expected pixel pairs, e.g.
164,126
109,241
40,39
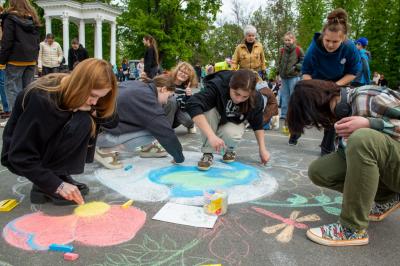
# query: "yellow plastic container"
8,204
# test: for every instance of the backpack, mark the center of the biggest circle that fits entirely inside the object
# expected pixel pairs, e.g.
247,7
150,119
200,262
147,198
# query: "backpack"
297,51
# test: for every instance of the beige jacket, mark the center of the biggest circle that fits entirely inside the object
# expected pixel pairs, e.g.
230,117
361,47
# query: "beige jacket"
243,59
50,56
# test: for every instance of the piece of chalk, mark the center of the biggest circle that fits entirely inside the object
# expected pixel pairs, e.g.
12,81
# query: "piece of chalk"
128,167
71,256
61,248
127,204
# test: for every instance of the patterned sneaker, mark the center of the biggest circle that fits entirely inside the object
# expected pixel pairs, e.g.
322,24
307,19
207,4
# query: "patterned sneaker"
381,210
229,157
337,235
154,150
108,160
205,162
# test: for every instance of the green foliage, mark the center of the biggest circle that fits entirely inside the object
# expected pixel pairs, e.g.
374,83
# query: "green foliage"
310,20
355,12
177,25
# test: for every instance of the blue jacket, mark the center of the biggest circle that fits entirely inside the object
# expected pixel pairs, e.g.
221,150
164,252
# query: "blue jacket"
321,64
363,76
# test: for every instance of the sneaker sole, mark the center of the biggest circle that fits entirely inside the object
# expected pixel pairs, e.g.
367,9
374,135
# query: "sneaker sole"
228,161
336,243
153,155
379,218
202,168
107,165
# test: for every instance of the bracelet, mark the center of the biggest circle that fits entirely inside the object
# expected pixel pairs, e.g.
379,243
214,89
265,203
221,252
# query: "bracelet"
60,187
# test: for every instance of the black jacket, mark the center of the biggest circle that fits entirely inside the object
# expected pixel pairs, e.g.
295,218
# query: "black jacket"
20,40
138,109
76,56
216,94
150,61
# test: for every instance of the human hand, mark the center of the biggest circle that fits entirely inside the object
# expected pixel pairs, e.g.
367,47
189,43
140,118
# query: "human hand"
188,90
217,143
264,156
345,126
71,192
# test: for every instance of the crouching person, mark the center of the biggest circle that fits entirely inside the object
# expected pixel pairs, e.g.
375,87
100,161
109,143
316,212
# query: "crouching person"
142,121
220,111
365,167
46,139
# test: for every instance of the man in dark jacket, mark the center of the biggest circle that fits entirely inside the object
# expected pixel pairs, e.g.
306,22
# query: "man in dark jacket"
220,112
77,53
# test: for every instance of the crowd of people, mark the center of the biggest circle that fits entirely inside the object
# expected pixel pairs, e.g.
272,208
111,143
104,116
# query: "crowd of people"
61,121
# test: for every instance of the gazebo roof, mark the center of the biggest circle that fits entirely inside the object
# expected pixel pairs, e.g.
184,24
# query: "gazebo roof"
88,11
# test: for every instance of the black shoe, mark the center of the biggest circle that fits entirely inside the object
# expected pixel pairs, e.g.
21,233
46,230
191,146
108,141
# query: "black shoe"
40,197
83,188
292,142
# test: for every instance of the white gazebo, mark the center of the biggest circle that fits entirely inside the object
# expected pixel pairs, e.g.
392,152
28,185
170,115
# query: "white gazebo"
82,13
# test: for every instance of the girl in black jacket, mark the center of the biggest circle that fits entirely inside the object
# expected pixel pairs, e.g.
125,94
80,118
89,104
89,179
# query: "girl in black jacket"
19,46
76,54
47,137
220,110
150,56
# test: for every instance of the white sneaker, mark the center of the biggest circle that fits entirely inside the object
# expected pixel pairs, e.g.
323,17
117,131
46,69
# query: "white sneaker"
192,130
108,160
3,124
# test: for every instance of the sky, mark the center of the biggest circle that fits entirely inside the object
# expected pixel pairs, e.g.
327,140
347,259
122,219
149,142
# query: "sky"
249,5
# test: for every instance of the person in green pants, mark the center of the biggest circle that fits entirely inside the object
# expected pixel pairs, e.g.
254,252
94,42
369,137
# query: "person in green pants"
365,166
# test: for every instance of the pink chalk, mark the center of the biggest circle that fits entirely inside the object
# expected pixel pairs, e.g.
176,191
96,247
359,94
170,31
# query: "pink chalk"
71,256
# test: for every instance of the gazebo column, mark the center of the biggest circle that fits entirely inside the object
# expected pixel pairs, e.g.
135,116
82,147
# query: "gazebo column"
113,51
65,22
48,24
98,38
82,32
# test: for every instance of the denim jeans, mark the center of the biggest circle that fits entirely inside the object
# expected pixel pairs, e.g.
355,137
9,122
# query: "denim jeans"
16,79
3,95
130,140
286,91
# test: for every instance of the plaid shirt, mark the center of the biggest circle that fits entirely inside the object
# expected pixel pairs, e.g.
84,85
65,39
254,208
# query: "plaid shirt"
380,105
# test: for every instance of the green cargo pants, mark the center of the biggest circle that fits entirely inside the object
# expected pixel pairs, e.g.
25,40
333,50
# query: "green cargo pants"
367,171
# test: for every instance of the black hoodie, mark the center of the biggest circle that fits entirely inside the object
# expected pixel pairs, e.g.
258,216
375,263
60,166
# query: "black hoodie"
20,42
76,56
216,94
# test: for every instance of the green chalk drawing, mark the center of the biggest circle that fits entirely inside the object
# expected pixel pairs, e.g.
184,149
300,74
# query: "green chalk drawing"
153,253
298,201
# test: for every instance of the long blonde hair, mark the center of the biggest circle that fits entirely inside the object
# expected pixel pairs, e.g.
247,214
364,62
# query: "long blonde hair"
187,68
24,9
73,90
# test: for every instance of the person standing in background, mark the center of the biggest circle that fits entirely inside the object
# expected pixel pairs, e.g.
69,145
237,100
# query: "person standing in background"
5,113
250,53
375,78
19,47
290,60
382,81
151,60
140,67
363,76
77,53
50,56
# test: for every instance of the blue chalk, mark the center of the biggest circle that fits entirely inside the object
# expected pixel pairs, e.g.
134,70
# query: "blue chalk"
128,167
61,248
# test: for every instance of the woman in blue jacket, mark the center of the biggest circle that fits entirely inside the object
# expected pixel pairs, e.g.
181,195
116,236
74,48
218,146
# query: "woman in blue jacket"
331,56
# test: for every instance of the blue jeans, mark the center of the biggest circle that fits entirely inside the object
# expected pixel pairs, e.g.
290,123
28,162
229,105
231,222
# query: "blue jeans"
3,95
130,140
286,91
17,78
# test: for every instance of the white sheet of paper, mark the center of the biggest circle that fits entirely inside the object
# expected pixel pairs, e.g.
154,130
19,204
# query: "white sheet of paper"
186,215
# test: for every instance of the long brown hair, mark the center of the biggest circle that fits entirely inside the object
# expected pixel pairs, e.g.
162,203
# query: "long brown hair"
24,9
337,21
309,105
153,44
73,90
163,80
187,68
245,79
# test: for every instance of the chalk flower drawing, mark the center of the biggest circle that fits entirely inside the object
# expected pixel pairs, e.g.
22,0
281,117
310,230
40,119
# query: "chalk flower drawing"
86,226
288,225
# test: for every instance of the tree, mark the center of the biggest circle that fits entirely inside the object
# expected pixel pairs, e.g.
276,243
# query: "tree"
310,20
177,25
355,11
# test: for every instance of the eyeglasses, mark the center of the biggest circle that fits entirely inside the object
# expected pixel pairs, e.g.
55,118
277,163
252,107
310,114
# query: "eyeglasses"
183,72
